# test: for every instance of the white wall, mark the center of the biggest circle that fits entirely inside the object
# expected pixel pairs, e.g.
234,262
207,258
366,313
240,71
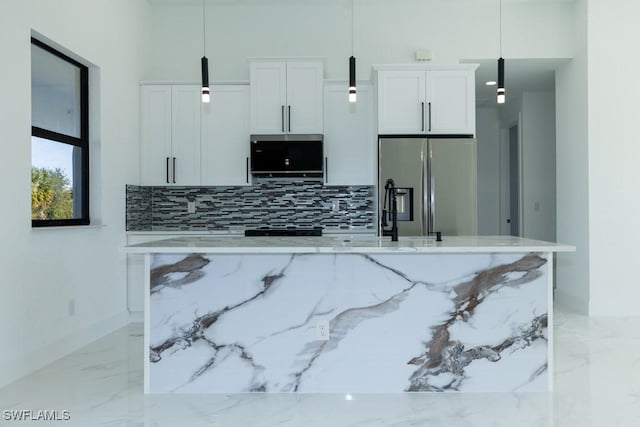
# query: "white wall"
614,150
572,171
385,32
488,140
538,133
42,270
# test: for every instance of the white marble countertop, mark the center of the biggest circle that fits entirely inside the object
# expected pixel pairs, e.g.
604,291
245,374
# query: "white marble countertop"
346,244
240,232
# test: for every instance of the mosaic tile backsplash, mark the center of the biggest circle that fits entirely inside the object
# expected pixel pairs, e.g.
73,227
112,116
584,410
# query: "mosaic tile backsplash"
267,203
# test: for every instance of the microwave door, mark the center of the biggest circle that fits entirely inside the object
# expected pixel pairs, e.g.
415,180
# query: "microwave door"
267,157
305,156
287,155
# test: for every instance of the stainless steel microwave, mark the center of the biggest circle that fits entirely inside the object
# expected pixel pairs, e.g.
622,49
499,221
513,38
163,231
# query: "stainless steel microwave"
287,155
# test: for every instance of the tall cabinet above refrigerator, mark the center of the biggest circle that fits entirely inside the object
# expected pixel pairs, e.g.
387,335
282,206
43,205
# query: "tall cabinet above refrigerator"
436,182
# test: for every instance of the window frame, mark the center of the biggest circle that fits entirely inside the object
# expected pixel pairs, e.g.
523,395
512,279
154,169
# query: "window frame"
82,141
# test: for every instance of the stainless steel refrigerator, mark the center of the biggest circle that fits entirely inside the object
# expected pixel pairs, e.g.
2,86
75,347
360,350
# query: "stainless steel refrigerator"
436,181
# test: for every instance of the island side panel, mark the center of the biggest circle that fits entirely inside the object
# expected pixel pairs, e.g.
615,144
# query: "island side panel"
147,318
550,332
397,322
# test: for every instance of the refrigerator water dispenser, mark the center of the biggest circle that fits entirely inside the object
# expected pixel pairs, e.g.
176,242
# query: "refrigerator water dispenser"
405,203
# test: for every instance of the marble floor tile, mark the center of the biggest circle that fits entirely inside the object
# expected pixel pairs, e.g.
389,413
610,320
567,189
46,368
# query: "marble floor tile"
597,383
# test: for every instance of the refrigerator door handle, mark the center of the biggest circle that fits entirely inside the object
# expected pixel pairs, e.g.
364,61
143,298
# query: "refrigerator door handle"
423,193
432,192
426,173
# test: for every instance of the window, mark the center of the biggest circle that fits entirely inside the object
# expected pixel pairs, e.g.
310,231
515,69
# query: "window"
59,138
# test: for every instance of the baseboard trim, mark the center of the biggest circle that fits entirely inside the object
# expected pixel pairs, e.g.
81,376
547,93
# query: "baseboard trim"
16,369
136,317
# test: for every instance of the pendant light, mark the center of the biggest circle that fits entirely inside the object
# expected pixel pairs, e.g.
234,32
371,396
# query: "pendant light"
352,63
500,92
206,96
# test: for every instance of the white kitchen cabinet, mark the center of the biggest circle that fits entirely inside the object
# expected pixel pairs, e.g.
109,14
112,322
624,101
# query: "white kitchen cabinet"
286,97
225,136
304,97
401,102
155,134
451,102
170,134
349,135
430,100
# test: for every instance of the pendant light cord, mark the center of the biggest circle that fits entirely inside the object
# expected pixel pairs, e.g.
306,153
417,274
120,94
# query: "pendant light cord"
353,20
500,28
204,32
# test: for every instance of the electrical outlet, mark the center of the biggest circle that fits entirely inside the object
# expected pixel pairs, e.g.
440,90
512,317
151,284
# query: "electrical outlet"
191,207
71,307
322,330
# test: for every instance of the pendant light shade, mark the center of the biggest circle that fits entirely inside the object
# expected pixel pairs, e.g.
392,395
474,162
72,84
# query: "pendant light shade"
501,93
206,96
352,79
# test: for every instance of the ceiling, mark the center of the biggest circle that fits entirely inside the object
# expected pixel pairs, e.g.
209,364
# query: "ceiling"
520,75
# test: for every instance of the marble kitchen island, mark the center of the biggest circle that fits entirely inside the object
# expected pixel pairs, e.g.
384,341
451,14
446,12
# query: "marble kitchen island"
348,314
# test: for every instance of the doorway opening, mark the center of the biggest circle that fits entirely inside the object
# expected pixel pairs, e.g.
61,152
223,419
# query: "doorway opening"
514,181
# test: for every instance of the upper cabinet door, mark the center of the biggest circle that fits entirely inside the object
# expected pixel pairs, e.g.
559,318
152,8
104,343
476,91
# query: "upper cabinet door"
268,82
185,134
401,102
170,134
426,99
286,97
225,136
304,97
349,135
451,102
155,134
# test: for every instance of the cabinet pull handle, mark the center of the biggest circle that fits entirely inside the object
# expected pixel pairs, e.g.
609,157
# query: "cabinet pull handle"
422,115
167,170
429,117
174,170
289,118
247,170
282,117
326,170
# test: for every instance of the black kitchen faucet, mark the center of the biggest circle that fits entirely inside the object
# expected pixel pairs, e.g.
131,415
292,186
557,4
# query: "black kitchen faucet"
391,191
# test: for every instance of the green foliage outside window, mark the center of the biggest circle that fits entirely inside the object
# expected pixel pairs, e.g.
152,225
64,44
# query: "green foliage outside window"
51,194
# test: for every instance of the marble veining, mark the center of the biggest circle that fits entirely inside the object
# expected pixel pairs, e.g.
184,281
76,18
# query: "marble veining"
597,377
448,358
397,323
181,273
